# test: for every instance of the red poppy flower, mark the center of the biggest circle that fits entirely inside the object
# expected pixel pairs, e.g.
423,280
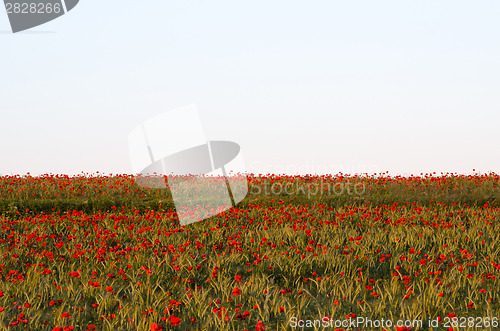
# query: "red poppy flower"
174,320
156,327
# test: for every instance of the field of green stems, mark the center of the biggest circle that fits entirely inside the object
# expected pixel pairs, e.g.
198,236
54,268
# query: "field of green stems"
95,252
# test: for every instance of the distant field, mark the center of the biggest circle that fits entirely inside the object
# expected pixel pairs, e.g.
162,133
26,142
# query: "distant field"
99,252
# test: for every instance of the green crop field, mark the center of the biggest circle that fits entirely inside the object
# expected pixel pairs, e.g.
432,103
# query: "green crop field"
323,252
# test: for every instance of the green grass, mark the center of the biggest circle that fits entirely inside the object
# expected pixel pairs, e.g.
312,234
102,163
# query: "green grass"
390,253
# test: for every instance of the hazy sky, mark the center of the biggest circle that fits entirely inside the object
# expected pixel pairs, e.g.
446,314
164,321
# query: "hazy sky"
327,86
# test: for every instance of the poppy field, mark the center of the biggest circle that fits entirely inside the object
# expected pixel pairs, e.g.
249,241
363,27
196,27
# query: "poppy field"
98,252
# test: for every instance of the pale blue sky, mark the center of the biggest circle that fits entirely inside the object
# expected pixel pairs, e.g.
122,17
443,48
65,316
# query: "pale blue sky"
402,86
